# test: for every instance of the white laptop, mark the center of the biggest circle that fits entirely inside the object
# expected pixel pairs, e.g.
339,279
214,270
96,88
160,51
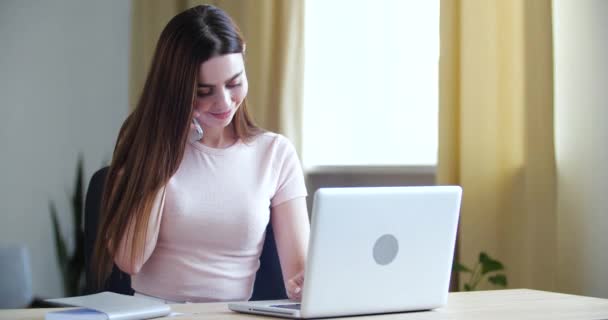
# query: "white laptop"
374,250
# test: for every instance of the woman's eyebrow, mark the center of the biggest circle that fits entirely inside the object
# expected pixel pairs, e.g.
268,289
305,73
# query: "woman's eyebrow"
204,85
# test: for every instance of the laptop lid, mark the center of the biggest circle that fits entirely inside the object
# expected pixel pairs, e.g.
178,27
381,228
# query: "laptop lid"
377,250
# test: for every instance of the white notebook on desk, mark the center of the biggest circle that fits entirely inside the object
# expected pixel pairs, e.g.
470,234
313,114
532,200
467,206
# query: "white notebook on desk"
108,306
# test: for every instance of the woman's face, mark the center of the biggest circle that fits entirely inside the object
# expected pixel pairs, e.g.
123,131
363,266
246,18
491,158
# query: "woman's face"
220,89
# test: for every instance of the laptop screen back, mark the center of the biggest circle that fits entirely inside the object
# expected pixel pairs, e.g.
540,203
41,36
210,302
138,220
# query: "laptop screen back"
379,250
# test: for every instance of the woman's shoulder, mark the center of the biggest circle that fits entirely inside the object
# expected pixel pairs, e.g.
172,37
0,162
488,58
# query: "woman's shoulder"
273,140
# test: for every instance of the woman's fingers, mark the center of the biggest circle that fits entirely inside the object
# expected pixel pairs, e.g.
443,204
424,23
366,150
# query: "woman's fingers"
294,287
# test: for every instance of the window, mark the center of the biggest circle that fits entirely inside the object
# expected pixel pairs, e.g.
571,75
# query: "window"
371,83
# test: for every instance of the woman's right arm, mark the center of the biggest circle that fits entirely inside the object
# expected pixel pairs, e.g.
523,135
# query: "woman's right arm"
132,262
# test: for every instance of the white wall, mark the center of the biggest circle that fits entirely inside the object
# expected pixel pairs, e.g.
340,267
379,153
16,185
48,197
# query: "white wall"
63,90
581,119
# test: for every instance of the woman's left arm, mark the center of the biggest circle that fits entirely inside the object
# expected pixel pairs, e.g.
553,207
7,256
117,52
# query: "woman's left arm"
291,231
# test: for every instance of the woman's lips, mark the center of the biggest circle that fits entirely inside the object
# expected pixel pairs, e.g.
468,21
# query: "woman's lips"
222,115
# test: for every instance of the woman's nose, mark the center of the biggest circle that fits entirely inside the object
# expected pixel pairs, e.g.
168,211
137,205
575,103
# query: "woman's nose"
224,98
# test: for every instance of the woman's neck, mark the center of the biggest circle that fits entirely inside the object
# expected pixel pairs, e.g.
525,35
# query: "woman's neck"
219,139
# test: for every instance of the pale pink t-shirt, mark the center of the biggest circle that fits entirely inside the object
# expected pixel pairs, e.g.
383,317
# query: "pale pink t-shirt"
213,214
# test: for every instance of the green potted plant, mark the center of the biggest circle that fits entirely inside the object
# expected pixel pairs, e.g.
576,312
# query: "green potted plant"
485,268
71,265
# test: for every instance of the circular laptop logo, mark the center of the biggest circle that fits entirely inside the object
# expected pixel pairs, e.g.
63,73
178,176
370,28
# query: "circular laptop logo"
385,249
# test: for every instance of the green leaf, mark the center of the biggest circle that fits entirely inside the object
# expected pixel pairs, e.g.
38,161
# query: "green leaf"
457,267
72,265
467,287
488,264
499,280
78,197
62,255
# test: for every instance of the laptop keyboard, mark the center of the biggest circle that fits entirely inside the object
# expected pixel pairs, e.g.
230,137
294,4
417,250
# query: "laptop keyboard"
293,306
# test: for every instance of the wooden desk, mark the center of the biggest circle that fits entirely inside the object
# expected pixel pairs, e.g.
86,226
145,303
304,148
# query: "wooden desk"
518,304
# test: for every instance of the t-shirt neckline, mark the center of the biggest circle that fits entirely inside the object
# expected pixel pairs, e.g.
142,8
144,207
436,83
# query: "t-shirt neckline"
216,151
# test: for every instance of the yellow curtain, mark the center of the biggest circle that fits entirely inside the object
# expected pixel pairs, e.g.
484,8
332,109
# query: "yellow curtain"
496,133
273,31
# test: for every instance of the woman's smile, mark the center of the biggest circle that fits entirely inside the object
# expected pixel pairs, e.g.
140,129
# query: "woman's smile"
221,115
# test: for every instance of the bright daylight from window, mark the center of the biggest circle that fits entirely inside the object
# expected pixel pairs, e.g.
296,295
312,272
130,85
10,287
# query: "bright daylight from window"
371,83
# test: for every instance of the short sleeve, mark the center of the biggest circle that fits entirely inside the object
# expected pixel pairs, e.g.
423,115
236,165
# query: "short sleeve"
290,182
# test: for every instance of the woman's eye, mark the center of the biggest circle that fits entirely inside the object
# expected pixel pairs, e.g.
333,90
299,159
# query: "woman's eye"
233,84
203,93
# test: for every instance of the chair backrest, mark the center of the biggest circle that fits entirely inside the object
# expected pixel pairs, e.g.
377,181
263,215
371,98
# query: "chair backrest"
268,283
15,277
119,282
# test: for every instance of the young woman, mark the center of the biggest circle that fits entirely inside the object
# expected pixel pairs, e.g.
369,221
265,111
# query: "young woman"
186,218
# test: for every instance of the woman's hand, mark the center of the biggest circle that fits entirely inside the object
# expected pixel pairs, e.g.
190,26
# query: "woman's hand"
294,286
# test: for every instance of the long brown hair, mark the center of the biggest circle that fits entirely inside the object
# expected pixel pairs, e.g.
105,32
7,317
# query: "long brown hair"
151,141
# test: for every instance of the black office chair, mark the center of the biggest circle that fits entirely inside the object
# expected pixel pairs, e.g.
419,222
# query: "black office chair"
268,283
